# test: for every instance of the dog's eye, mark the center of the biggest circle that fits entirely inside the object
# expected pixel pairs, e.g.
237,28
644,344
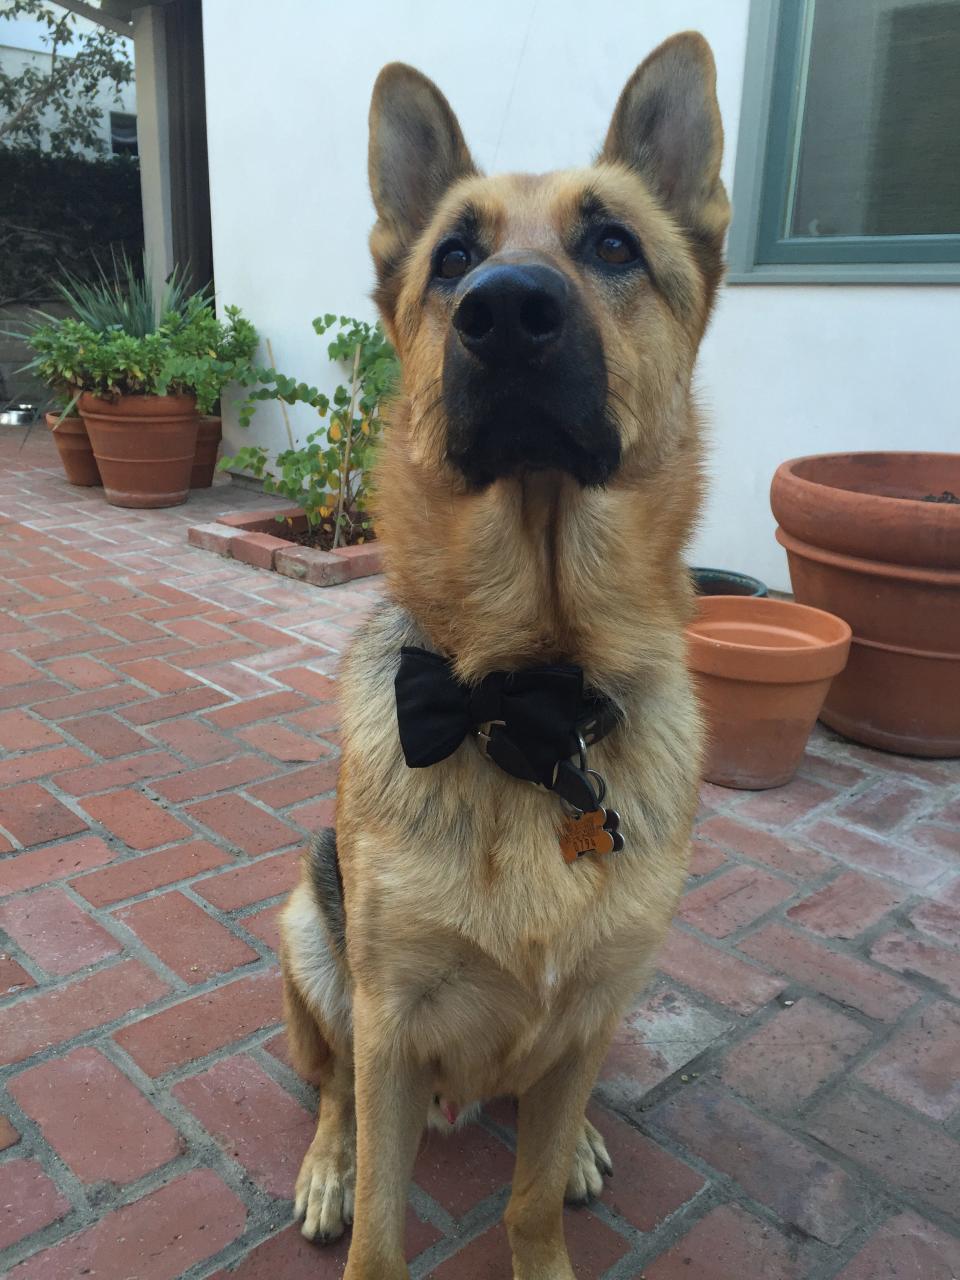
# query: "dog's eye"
452,259
616,247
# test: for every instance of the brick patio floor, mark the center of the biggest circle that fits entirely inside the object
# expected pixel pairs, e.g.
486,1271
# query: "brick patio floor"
783,1103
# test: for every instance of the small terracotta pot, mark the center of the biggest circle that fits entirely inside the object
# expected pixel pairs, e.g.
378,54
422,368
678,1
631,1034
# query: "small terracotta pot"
762,668
209,436
76,452
862,542
144,447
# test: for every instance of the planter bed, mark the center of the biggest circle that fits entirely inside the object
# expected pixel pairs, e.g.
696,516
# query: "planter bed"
254,538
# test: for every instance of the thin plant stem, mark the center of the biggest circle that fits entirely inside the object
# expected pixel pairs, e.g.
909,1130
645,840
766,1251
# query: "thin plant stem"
283,407
354,393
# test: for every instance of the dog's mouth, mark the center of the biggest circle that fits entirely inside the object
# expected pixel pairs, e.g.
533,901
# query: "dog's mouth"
525,379
510,434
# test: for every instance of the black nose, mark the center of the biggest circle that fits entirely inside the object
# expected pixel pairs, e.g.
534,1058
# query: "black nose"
511,312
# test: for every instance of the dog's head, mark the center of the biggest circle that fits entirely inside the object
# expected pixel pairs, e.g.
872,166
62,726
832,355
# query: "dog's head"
550,322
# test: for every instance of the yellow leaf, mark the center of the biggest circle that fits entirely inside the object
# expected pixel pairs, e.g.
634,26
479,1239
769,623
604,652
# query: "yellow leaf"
324,512
335,432
365,427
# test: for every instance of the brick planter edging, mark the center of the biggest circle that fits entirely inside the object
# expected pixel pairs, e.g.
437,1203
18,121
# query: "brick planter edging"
247,536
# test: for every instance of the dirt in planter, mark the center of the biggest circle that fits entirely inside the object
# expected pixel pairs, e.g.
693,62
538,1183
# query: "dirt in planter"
946,496
321,536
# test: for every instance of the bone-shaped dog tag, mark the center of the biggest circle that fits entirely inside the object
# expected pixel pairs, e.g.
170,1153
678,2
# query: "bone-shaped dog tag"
596,831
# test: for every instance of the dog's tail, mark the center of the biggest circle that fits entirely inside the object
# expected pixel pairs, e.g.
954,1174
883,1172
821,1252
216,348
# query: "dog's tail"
326,885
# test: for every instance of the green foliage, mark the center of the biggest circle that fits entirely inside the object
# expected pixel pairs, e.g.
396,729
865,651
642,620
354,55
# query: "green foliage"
65,90
189,352
56,209
328,474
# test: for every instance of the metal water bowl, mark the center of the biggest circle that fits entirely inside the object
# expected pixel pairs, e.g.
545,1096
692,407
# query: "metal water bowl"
19,414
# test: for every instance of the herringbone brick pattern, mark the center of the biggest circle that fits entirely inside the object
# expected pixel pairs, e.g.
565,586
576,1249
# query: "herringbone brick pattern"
784,1101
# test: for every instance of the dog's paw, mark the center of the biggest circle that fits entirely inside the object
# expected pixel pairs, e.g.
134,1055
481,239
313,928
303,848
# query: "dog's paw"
324,1196
591,1162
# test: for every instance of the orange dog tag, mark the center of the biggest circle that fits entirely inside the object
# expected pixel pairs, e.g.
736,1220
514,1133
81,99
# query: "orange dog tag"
588,834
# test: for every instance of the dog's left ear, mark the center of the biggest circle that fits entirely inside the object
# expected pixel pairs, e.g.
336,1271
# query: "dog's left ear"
416,152
667,127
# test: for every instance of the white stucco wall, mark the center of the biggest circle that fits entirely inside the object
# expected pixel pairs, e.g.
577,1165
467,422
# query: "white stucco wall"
785,370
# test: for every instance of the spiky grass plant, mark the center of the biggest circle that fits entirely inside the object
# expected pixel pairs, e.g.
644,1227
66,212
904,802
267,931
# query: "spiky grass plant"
125,299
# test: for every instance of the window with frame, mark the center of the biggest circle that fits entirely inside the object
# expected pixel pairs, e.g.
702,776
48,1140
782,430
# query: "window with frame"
849,159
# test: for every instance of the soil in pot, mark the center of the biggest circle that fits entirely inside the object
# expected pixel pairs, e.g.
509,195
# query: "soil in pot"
76,452
209,435
144,446
875,539
762,669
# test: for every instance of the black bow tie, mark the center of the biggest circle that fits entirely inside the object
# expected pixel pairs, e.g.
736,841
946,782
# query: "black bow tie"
532,720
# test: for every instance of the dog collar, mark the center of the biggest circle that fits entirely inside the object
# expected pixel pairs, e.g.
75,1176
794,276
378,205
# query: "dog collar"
531,723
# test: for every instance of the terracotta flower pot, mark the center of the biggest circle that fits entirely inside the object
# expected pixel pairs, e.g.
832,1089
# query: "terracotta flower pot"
862,543
144,447
209,436
76,453
762,668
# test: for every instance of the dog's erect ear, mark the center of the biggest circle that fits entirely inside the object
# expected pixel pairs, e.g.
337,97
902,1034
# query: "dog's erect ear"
416,152
667,127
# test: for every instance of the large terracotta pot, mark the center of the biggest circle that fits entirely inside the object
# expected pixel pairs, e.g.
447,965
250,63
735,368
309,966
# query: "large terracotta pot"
209,436
76,452
144,446
862,543
762,670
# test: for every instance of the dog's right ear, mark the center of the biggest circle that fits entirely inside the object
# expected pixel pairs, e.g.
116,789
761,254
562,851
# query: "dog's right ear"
667,127
416,152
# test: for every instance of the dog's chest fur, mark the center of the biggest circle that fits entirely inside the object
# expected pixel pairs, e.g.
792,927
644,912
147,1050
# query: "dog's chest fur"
458,867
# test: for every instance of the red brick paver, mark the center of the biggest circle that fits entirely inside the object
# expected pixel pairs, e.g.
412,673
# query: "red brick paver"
95,1119
906,1246
791,1056
783,1102
156,1238
252,1118
55,933
729,1243
28,1200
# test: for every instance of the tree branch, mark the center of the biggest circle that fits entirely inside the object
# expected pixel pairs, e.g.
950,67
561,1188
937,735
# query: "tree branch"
29,104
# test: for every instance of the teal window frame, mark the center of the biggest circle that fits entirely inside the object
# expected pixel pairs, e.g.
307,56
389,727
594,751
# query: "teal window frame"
757,250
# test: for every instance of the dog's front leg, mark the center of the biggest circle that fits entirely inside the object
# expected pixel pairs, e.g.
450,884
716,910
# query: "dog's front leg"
548,1125
392,1096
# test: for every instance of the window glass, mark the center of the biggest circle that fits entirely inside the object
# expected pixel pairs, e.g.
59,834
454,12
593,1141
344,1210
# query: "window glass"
123,133
878,152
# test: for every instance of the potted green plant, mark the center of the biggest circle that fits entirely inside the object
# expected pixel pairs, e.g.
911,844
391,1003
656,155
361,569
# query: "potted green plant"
327,476
237,345
73,445
140,367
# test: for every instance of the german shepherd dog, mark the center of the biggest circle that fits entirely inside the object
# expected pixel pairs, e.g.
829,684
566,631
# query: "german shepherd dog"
539,477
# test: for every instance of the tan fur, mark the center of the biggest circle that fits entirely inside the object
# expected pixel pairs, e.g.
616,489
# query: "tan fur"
478,963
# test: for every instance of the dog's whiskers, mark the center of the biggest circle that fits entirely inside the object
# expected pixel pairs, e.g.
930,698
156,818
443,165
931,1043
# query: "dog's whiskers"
616,368
621,400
